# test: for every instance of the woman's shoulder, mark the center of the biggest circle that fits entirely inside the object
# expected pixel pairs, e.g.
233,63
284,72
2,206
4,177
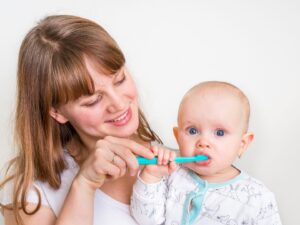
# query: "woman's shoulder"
49,196
56,197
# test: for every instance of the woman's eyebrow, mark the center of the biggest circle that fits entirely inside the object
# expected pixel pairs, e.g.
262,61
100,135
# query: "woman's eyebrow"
119,72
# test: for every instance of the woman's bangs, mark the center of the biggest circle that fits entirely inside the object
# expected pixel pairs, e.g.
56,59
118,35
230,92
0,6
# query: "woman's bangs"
107,59
73,81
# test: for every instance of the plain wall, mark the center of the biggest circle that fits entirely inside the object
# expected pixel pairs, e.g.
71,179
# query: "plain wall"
171,45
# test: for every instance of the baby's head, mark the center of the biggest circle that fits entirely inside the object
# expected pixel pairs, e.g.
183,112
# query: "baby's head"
213,120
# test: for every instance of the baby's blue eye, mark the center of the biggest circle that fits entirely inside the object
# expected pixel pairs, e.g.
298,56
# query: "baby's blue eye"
220,132
192,131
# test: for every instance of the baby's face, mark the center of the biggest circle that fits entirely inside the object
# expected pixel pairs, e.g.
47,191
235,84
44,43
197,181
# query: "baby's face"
211,124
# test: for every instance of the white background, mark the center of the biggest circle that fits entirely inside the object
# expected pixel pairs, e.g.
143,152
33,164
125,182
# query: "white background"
171,45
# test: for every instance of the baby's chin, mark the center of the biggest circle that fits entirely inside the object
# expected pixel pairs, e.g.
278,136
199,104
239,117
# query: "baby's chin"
201,168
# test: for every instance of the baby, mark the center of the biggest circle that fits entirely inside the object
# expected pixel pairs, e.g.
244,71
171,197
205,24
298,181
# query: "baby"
213,120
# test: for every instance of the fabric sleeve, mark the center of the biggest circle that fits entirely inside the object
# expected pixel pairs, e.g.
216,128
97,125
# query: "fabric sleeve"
148,202
32,195
269,213
50,197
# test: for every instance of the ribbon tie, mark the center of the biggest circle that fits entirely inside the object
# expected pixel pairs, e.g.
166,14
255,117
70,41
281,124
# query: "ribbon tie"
193,203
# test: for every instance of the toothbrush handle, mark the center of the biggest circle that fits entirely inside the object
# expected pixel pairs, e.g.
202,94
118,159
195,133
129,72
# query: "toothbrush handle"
190,159
144,161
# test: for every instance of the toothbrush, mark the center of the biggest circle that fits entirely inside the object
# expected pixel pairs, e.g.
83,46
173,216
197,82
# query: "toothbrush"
144,161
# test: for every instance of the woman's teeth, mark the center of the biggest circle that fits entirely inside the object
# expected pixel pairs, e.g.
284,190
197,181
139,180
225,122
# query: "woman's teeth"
121,117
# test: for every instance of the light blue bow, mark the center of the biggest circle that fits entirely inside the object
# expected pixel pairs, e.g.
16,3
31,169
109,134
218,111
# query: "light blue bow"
194,200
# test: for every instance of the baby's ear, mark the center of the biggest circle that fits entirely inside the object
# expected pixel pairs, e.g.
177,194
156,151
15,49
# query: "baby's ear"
55,114
175,132
246,140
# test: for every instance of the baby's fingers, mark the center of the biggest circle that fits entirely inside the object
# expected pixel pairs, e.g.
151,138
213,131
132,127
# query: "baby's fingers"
166,157
172,167
172,156
169,156
160,156
154,149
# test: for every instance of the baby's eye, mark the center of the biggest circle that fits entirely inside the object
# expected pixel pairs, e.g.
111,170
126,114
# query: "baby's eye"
192,130
220,132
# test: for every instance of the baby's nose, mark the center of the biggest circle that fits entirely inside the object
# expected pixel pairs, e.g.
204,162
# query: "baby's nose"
203,143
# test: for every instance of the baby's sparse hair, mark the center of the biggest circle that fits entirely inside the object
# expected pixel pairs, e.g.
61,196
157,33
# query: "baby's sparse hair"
221,86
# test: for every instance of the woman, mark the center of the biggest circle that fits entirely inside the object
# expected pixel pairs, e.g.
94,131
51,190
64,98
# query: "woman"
78,128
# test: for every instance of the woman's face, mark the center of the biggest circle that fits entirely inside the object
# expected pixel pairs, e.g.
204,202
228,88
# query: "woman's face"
112,110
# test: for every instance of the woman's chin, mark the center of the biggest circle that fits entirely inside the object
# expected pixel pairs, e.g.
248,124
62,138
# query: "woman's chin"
125,132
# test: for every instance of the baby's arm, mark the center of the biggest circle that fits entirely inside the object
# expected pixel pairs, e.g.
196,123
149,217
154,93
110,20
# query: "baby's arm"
150,190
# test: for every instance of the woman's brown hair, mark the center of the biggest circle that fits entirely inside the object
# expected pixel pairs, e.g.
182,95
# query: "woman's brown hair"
51,72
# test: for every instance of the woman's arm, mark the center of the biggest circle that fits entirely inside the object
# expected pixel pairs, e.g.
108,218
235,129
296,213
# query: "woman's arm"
110,160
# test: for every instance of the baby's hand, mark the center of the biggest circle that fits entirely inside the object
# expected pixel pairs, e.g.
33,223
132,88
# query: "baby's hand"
165,165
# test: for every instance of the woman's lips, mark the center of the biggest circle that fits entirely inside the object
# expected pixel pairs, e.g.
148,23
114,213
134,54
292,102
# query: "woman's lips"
122,119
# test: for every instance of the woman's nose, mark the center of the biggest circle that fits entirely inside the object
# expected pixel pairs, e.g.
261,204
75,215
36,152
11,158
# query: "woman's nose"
116,102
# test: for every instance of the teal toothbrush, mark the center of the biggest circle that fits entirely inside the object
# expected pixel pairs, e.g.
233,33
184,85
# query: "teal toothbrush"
144,161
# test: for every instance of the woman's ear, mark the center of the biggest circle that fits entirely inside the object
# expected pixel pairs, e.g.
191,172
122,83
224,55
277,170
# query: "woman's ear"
246,140
175,132
55,114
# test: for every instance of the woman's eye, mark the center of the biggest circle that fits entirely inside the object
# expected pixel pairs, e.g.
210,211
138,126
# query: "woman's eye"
94,102
121,80
220,132
192,131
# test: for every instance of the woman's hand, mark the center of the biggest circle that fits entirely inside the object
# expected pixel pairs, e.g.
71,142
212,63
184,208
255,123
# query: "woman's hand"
110,160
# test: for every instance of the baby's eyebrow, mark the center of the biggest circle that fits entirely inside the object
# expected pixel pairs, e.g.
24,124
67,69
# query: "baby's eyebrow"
189,122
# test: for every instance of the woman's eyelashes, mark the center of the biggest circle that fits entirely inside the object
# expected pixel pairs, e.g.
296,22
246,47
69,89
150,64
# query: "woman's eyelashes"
120,80
93,101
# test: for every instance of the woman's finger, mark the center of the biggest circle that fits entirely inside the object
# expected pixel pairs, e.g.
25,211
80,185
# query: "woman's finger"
127,156
103,166
134,147
103,151
124,153
154,149
119,162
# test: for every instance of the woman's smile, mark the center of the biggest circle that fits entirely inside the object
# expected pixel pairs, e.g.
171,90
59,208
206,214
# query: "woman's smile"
121,120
